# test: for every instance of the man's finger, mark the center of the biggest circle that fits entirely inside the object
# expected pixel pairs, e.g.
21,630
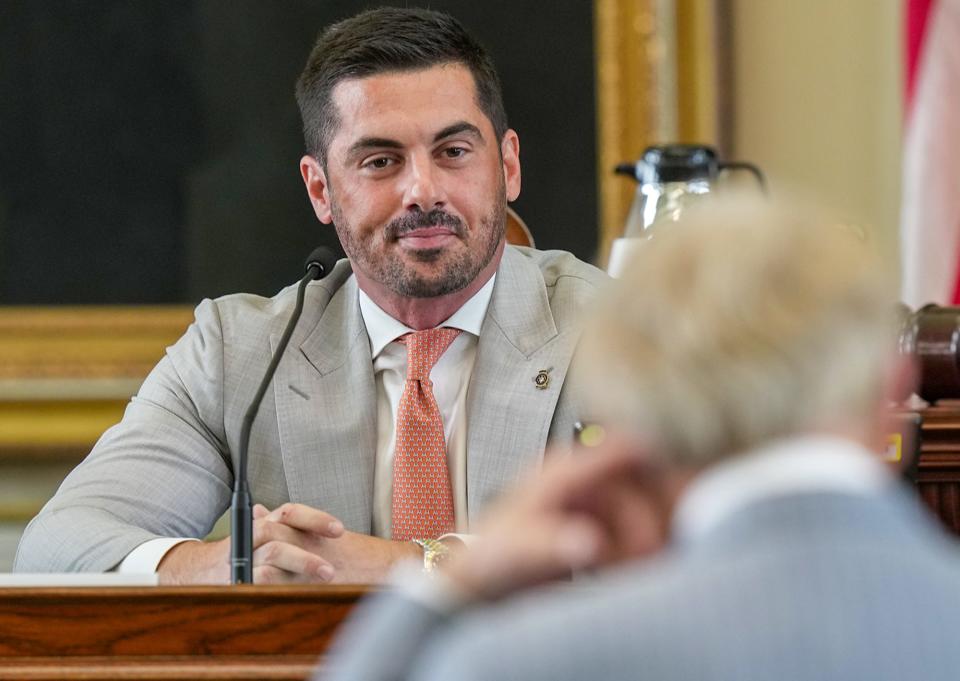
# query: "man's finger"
293,559
562,478
268,574
307,519
265,530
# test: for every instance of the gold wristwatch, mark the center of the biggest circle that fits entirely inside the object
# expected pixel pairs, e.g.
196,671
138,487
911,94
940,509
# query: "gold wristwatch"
435,552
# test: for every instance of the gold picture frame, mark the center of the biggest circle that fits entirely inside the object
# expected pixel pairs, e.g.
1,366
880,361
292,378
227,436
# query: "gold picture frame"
657,75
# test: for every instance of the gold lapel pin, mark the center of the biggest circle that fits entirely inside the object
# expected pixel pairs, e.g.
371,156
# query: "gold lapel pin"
542,379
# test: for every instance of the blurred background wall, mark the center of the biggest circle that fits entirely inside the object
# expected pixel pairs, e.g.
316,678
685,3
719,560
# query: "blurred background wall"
817,89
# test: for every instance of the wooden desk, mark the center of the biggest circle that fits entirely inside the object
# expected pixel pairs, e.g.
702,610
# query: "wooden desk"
257,632
938,470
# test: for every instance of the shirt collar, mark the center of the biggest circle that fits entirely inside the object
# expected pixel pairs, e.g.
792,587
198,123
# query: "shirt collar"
781,468
382,329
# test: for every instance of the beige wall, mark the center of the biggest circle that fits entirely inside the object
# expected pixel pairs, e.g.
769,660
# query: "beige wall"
816,101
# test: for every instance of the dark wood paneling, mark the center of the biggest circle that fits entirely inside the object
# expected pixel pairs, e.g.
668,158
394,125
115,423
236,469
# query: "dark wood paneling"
938,471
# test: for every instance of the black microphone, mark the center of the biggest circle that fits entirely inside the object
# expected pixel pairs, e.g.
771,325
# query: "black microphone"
319,264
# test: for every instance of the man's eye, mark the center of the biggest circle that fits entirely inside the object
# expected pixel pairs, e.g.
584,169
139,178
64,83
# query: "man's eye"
379,163
454,152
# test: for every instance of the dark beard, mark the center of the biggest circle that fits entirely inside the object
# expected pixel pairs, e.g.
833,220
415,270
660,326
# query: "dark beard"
457,275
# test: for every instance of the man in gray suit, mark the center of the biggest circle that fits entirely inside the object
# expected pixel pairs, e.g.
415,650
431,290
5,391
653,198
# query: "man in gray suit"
411,159
738,518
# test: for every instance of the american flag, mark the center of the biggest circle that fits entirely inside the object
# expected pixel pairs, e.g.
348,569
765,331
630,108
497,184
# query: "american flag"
930,207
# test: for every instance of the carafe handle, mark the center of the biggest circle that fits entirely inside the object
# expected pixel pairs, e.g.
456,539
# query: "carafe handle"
743,165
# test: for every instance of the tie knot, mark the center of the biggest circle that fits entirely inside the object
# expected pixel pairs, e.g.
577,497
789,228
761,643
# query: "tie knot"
424,349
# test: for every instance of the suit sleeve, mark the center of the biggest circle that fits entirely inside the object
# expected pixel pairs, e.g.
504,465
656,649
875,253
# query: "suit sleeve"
556,635
381,640
163,471
393,637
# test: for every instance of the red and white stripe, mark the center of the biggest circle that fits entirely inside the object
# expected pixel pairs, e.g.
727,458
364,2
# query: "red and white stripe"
930,207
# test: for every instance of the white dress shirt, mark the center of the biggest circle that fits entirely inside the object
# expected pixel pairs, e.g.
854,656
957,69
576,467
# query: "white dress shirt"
451,378
813,463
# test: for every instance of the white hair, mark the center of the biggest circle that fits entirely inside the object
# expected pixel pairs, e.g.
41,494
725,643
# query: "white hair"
747,321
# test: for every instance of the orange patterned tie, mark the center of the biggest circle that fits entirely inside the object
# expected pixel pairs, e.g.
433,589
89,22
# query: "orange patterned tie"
422,495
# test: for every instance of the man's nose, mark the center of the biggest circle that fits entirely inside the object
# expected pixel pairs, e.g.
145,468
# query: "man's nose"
424,188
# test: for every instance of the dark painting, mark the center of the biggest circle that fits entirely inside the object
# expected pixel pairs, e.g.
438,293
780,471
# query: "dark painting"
149,150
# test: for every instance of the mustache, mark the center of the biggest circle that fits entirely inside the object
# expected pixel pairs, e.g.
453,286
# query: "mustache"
419,219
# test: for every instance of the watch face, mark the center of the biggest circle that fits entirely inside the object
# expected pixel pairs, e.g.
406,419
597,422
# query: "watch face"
439,557
435,552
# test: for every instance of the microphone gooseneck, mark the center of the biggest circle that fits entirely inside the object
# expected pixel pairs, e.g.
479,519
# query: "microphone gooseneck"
318,265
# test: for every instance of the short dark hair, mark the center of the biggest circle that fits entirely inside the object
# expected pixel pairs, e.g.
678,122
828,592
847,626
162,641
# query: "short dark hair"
383,40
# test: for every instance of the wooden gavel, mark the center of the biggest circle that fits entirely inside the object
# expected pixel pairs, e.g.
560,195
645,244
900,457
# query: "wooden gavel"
932,336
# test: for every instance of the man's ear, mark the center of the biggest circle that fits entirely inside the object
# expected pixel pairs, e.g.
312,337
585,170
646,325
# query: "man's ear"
510,151
315,179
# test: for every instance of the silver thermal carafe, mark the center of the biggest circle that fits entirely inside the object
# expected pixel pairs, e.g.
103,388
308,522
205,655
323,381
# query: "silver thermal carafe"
669,179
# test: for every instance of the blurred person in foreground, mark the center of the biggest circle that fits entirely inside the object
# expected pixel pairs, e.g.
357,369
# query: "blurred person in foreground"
737,517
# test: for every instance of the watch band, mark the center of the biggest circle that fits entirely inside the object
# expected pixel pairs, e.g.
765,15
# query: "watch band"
434,553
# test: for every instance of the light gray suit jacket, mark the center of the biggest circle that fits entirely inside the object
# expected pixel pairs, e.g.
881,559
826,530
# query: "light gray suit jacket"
815,587
166,470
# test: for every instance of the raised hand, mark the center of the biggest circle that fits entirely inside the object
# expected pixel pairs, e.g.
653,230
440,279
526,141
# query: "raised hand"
588,510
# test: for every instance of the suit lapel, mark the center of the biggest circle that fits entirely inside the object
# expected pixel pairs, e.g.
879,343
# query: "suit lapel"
326,412
508,415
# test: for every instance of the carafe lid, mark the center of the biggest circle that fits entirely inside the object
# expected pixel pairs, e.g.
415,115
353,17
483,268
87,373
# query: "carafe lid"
677,163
